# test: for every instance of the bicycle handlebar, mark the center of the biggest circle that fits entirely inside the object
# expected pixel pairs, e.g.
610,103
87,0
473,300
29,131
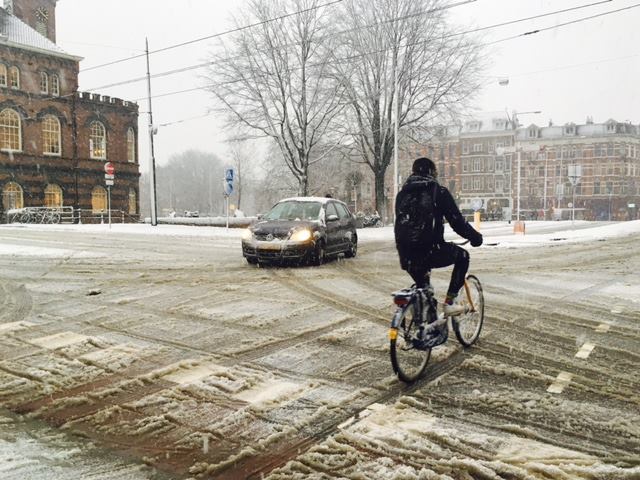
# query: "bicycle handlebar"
461,244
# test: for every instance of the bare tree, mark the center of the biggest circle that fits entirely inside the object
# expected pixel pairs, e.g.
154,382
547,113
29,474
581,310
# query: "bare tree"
411,45
275,79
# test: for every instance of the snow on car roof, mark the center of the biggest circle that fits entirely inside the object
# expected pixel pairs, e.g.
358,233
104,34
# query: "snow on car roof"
322,200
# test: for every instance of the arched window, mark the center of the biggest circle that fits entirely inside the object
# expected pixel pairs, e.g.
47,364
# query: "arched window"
98,200
44,82
51,136
132,202
55,85
97,141
131,145
12,196
3,75
10,131
53,196
14,77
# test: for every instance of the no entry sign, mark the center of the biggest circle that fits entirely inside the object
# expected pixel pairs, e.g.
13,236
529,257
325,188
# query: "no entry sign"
109,169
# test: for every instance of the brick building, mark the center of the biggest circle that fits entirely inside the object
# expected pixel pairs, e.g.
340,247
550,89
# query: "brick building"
54,140
478,160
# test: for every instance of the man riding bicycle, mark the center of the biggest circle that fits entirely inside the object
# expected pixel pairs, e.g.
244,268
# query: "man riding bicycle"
421,205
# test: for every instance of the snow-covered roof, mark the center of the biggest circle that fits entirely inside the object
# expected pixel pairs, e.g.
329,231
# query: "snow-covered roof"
15,32
487,122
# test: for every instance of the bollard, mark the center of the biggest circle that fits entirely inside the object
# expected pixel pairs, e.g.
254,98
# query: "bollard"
476,220
518,227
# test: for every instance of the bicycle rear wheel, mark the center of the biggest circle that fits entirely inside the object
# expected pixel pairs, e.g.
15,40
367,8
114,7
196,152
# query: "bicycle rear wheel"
408,362
467,326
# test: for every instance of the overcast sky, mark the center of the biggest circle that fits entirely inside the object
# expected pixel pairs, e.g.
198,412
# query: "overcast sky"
589,68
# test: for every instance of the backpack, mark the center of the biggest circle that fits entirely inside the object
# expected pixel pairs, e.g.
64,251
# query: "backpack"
415,224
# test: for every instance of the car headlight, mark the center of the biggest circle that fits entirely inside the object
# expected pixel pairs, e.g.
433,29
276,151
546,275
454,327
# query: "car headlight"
301,235
247,234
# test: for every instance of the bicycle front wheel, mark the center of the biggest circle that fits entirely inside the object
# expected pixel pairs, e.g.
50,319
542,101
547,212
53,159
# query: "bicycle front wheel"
467,326
408,361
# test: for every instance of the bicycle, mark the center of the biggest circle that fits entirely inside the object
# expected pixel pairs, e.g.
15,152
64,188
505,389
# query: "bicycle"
416,326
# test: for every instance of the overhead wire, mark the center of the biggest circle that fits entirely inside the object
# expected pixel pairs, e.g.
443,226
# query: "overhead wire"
353,57
215,35
572,22
467,32
333,34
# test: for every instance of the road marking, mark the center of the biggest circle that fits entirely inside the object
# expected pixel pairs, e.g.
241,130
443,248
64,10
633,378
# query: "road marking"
562,380
58,340
603,328
585,350
616,310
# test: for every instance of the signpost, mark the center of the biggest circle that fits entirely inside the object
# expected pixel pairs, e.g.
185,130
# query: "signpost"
476,204
229,175
109,176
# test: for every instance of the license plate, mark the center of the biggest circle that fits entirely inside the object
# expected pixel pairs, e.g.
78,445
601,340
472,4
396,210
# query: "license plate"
269,246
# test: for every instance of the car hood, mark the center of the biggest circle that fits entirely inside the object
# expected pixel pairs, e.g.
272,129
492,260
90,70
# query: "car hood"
280,228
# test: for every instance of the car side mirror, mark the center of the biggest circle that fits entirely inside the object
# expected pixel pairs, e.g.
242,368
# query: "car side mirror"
259,216
332,218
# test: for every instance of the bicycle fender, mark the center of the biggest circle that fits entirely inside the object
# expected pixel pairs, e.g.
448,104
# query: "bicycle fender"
395,322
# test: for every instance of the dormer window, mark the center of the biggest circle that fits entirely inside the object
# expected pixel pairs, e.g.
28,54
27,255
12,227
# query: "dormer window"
499,124
533,132
611,127
570,129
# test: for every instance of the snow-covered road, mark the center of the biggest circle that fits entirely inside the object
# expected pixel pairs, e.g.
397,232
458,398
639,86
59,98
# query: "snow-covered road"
165,346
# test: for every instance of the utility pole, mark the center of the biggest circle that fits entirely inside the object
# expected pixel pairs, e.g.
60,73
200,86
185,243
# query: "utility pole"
152,132
395,138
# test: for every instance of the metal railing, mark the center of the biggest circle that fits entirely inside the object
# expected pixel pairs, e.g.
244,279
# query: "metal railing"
87,215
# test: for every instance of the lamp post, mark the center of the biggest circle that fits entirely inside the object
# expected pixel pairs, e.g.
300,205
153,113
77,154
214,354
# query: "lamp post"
519,150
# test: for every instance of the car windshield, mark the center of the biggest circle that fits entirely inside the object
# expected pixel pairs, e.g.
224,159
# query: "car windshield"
295,211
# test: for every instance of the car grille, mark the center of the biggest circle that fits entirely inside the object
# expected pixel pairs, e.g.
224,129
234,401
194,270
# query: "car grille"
267,237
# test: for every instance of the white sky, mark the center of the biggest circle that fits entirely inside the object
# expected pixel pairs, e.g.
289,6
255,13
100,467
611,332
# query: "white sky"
590,68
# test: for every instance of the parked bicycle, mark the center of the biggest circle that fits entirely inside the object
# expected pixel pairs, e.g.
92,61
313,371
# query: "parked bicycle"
35,215
417,327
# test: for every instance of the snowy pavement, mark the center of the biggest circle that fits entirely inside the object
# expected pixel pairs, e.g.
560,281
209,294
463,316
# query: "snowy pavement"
162,346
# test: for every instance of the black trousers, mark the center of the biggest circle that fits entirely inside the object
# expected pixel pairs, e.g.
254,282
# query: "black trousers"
443,255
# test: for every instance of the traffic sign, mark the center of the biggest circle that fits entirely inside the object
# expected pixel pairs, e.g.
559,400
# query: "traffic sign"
108,182
477,204
109,169
227,187
109,177
229,174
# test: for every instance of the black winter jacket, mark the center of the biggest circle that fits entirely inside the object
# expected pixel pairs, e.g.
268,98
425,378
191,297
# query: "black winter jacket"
445,207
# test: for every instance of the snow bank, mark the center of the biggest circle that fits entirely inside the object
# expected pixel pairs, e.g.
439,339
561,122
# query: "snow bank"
496,234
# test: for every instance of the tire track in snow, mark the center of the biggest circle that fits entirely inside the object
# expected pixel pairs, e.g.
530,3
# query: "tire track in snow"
15,302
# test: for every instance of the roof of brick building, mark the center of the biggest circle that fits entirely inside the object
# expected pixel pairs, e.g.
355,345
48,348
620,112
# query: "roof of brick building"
15,32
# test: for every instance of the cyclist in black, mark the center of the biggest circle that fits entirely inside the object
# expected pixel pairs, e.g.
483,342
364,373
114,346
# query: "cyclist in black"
421,205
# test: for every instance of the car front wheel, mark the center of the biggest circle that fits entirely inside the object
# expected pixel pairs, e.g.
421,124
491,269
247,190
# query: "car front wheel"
352,250
319,254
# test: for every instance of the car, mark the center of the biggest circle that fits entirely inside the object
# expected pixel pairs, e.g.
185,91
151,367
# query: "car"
302,229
